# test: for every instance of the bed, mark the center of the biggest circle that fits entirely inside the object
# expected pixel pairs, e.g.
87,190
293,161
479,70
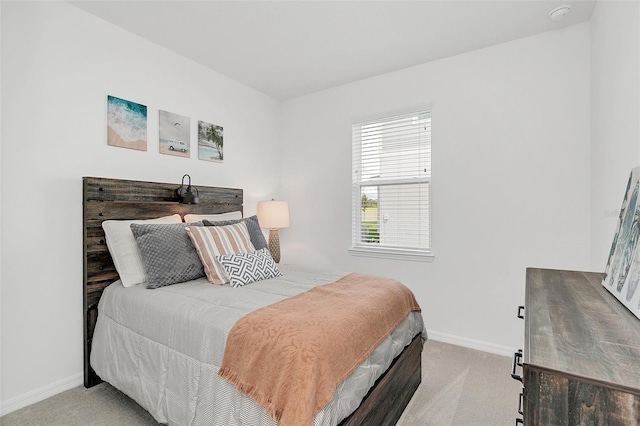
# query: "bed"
394,367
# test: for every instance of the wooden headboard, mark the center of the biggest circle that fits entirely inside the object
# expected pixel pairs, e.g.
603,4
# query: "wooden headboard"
106,199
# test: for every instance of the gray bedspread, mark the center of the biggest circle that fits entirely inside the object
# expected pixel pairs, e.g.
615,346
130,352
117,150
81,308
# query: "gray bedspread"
163,348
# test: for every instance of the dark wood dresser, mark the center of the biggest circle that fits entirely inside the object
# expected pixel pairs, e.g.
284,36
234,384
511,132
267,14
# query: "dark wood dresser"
581,356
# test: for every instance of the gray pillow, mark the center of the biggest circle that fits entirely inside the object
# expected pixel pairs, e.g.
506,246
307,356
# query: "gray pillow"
255,233
167,253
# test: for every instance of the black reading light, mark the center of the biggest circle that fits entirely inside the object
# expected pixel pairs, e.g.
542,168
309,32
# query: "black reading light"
186,195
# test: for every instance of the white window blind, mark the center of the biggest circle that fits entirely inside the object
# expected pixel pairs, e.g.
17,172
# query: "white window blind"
390,185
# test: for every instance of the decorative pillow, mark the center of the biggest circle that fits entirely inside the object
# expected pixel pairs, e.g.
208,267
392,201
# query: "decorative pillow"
190,218
212,241
124,250
167,253
247,268
255,233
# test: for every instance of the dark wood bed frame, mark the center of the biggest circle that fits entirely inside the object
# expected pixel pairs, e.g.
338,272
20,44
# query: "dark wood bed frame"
105,199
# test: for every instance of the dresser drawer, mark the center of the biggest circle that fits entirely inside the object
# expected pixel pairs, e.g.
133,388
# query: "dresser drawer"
517,363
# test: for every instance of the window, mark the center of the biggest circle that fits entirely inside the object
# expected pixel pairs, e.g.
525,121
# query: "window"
390,186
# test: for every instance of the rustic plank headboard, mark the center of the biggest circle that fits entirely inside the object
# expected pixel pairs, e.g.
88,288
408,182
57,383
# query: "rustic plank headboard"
105,199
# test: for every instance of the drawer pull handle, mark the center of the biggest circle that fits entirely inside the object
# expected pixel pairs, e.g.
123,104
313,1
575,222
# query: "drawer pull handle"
518,422
517,356
520,404
520,312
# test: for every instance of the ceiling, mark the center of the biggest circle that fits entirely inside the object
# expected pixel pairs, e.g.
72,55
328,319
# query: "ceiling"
291,48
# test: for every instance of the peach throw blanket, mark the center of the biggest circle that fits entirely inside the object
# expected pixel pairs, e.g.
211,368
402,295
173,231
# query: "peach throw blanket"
290,356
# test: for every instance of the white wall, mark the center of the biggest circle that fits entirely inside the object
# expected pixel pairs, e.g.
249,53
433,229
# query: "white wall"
1,397
615,116
510,182
58,65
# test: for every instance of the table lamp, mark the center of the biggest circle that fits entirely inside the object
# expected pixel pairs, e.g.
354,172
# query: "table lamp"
273,215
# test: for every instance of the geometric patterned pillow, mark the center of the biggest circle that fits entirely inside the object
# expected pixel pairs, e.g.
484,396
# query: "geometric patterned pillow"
247,268
212,241
255,233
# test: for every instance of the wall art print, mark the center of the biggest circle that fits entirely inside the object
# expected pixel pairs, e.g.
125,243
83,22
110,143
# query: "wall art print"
622,273
126,124
174,134
210,142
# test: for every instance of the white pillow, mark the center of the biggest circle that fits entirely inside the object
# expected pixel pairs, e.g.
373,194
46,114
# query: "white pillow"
124,249
189,218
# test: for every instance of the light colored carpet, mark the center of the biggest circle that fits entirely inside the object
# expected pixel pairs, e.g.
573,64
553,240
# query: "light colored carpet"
463,387
459,387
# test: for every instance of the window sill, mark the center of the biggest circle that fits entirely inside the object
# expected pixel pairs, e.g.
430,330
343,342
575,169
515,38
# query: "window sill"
396,254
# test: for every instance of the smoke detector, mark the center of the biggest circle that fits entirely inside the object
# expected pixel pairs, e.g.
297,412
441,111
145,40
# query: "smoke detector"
559,13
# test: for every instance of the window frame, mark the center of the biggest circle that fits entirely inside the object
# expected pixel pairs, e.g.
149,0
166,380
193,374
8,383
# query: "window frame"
357,248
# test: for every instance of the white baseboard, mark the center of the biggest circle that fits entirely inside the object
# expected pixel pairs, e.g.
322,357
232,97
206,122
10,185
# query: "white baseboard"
37,395
471,343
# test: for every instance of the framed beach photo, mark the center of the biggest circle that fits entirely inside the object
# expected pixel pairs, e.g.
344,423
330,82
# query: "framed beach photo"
622,273
126,124
174,134
210,142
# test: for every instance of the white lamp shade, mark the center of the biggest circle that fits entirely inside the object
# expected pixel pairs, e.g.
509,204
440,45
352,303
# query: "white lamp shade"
273,214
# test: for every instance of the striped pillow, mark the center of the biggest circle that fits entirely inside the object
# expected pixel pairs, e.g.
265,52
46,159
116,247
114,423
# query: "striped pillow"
212,241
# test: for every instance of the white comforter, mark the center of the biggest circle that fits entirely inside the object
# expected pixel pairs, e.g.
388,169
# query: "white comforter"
163,348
